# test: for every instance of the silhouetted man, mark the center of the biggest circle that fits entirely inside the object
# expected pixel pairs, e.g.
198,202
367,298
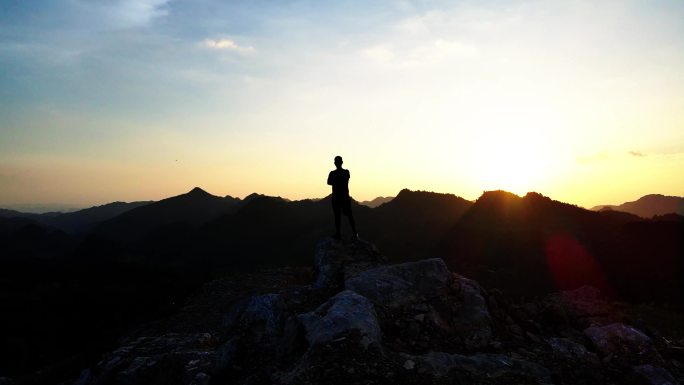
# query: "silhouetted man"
339,180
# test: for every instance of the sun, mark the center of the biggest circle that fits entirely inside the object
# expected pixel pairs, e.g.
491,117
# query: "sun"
513,161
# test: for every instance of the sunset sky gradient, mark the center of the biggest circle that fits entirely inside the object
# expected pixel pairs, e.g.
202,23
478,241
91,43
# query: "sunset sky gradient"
582,101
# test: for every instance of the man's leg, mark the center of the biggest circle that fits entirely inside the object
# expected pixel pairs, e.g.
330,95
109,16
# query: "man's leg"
348,213
336,211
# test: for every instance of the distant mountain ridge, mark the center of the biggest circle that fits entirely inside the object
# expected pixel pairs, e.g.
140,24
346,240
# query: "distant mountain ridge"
192,208
375,202
649,206
76,221
84,220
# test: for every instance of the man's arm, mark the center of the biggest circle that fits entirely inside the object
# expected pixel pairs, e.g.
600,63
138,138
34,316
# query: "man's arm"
330,177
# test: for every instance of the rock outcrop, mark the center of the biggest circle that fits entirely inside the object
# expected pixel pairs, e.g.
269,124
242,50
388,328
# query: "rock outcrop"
343,314
362,321
336,261
173,359
624,343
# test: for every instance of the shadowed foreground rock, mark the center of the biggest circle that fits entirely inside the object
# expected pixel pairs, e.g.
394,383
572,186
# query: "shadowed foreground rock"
342,314
361,321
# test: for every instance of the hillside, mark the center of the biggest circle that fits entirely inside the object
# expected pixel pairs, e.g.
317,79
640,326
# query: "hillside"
649,206
504,237
193,208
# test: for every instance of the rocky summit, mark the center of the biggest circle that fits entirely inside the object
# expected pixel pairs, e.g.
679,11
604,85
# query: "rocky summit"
358,320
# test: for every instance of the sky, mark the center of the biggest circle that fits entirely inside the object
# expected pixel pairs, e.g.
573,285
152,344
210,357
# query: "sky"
124,100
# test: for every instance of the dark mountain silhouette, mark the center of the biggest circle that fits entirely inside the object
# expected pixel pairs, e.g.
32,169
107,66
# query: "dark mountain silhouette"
375,202
83,220
294,223
620,216
412,222
8,225
650,205
503,238
668,218
24,239
76,221
193,208
6,213
408,225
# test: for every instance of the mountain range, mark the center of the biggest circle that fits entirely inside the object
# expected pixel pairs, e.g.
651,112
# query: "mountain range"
495,239
172,210
95,274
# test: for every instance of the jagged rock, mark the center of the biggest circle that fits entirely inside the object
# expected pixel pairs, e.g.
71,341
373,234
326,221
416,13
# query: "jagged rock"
495,367
335,261
567,350
263,318
345,312
266,326
653,375
471,318
404,283
623,342
83,378
410,293
171,359
584,306
225,355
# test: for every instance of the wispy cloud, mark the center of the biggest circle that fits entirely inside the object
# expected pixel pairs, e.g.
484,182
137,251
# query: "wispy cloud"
135,13
421,53
636,153
225,44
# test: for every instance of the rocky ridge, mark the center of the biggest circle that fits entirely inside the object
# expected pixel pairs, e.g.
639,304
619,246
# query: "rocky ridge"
361,321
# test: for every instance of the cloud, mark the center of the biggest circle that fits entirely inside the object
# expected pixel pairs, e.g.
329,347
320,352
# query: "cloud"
137,13
224,44
420,53
636,153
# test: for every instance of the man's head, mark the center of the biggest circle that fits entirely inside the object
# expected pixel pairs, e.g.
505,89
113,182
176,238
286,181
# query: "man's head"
338,161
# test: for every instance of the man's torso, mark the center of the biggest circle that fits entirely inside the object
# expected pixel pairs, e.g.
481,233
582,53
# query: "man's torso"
340,183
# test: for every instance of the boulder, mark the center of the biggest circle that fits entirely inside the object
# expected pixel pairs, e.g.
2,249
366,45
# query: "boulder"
409,294
347,312
584,306
471,318
396,285
492,367
624,343
335,261
226,354
263,317
564,349
653,375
